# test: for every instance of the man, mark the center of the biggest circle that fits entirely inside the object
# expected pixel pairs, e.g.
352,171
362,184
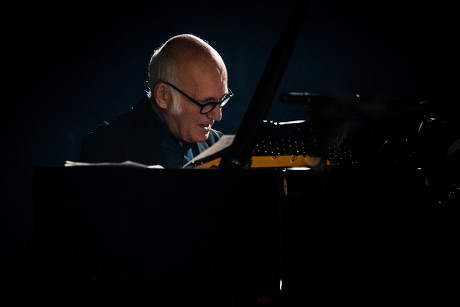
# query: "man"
173,123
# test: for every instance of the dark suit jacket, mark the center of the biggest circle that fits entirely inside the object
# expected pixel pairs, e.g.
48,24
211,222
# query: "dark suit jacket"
139,135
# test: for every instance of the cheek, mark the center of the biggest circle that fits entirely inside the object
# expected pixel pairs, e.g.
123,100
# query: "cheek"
189,120
188,128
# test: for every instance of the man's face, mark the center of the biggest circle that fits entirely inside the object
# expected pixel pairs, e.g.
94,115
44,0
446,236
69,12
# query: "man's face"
204,83
189,124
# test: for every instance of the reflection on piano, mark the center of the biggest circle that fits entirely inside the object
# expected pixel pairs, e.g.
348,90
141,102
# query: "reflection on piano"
372,217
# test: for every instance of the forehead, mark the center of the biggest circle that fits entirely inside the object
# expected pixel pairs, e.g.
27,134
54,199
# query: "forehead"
203,79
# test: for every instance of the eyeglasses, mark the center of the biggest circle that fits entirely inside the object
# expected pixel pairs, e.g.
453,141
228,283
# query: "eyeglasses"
206,107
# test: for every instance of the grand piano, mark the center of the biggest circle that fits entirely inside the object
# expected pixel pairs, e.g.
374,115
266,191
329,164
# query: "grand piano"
369,214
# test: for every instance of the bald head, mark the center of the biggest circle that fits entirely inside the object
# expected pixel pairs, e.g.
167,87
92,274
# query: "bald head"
186,60
186,47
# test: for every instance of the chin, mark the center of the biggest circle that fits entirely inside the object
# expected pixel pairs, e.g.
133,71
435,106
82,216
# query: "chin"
201,138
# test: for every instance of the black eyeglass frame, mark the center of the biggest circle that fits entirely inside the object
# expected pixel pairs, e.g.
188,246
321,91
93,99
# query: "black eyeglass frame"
222,102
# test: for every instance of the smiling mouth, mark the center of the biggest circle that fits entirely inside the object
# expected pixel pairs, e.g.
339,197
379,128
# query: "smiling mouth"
206,127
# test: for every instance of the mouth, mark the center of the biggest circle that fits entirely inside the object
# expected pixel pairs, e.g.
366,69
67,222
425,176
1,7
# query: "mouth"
206,127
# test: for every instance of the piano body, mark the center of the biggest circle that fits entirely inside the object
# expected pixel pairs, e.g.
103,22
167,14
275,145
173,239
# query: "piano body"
368,214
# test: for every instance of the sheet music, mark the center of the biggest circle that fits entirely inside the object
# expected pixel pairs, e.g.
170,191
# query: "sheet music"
224,142
125,163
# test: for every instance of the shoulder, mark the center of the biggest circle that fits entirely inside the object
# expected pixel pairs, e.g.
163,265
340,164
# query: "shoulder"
115,139
109,130
102,144
122,126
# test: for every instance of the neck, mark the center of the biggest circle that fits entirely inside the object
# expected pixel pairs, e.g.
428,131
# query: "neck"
162,114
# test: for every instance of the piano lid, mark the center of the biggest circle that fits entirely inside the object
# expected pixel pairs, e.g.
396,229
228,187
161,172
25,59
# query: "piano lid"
333,110
239,153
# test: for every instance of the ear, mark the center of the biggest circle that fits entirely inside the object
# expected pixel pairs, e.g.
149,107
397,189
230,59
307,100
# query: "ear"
161,95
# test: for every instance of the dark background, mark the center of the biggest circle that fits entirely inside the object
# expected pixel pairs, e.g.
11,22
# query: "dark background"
67,67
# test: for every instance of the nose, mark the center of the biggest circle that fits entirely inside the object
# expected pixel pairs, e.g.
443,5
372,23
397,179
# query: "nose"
215,114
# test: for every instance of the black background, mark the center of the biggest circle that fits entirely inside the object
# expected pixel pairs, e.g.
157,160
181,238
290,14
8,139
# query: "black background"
68,66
